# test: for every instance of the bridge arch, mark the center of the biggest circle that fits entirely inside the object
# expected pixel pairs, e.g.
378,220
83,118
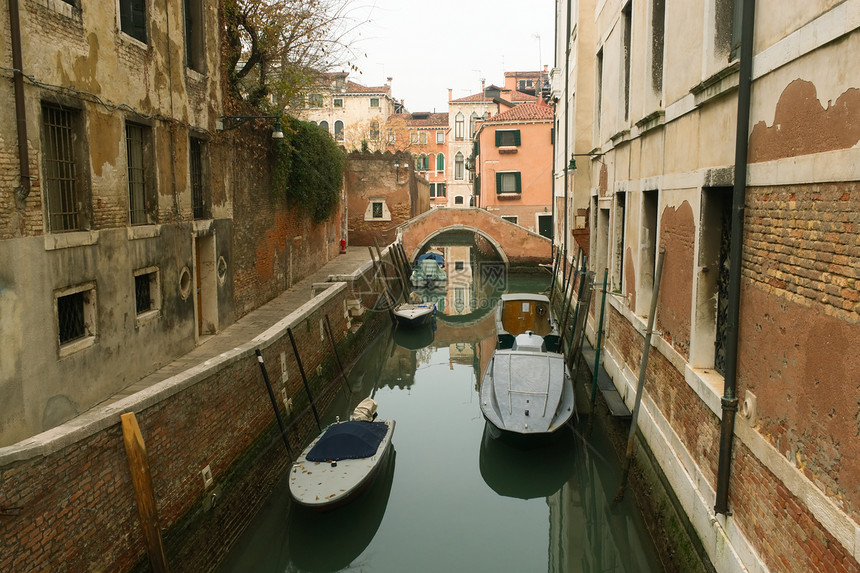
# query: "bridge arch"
515,244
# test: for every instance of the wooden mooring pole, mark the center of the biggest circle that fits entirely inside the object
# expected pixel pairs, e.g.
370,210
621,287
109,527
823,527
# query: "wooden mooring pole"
141,479
625,470
304,377
274,403
336,355
597,356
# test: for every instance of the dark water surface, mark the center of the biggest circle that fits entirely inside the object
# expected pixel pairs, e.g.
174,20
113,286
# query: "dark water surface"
451,499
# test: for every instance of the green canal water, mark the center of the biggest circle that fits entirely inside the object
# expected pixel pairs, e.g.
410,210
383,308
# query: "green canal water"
451,499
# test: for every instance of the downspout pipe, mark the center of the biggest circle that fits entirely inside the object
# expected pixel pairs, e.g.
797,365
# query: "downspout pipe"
20,108
729,400
566,215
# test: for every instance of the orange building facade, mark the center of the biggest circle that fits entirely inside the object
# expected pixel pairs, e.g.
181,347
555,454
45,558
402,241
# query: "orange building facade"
513,166
425,136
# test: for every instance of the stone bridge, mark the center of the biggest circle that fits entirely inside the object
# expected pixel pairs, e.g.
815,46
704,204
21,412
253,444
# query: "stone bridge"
515,244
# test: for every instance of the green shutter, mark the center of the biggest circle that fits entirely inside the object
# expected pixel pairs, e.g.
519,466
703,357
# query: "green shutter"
517,137
498,138
498,183
517,179
552,135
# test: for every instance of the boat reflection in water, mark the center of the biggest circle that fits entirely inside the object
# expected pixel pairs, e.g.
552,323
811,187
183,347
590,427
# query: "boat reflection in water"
323,542
530,473
415,338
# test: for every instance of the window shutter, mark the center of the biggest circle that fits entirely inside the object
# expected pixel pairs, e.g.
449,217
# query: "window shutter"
498,183
138,12
498,138
552,135
516,137
517,179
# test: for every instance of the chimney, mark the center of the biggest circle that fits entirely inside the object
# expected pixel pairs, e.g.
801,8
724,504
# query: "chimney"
450,94
388,81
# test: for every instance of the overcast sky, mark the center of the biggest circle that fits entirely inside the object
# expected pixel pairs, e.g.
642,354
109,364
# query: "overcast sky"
428,47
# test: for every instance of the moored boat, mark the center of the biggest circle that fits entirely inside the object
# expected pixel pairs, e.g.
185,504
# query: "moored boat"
517,313
339,463
414,314
428,273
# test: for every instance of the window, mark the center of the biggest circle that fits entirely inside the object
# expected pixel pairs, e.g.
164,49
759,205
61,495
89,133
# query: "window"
423,163
727,30
141,183
338,102
377,210
440,137
459,265
473,125
413,137
315,100
392,137
619,222
194,53
338,130
147,291
525,84
422,138
459,166
132,17
374,102
511,219
508,182
324,125
62,184
76,315
658,27
440,162
458,200
374,130
507,137
599,92
628,25
458,127
199,200
437,190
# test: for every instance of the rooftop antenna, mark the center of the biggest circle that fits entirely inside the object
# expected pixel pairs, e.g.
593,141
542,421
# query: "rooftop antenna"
540,56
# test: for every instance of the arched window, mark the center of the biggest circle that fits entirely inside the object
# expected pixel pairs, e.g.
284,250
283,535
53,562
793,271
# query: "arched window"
440,162
459,166
458,200
458,127
338,130
324,125
473,125
423,163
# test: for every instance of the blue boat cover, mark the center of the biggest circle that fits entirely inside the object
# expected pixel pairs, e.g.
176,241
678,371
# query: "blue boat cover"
348,441
433,256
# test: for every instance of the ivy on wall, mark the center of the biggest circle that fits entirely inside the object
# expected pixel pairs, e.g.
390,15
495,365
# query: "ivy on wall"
308,168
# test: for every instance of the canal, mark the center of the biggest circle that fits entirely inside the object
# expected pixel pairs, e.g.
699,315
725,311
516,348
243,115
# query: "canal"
451,499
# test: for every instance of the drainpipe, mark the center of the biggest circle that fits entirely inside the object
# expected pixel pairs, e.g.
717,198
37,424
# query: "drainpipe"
566,134
730,400
20,109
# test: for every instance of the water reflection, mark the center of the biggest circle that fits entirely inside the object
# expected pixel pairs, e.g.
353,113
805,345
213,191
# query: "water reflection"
331,541
456,500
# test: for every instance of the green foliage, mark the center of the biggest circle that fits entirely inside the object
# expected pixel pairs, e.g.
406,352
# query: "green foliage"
308,168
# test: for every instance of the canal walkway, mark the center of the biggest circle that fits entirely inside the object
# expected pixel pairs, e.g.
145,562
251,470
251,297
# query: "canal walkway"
255,322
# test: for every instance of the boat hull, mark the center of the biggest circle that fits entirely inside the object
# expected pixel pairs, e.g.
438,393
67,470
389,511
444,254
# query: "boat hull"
327,485
414,315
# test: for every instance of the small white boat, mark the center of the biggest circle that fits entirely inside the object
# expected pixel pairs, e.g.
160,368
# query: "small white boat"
414,314
342,460
429,274
517,313
526,391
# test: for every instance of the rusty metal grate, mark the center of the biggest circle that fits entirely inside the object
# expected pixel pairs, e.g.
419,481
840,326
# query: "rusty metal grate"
198,205
723,289
136,176
60,184
142,294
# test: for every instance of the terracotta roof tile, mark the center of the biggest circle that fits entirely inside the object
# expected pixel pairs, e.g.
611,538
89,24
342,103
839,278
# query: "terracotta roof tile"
427,119
524,112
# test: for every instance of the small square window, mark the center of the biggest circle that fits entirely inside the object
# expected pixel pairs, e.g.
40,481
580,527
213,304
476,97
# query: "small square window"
458,200
76,317
315,100
338,102
147,291
374,102
510,218
377,210
508,138
459,265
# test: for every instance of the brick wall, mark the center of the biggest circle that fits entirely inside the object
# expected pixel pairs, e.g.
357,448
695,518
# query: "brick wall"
73,508
777,524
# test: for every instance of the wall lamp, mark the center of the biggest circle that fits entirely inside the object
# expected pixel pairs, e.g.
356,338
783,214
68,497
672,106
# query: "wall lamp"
572,165
233,121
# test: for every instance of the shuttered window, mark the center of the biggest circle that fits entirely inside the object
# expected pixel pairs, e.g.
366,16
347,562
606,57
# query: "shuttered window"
508,182
507,137
132,15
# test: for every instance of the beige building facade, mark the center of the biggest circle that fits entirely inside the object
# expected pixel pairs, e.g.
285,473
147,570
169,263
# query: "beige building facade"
650,95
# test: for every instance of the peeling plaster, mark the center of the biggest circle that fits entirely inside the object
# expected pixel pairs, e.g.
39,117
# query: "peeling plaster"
802,125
